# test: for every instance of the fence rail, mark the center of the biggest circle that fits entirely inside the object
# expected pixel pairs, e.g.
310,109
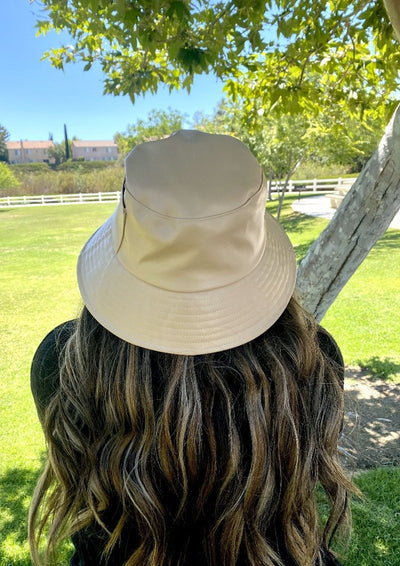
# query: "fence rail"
312,185
79,198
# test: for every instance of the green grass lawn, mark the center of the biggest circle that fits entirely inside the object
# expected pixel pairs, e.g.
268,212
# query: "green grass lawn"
38,290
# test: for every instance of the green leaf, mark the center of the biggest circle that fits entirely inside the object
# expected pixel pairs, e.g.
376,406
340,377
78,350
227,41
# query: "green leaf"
121,7
192,58
132,15
178,9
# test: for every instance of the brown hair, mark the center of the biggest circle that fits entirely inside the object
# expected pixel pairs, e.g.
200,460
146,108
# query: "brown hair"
216,456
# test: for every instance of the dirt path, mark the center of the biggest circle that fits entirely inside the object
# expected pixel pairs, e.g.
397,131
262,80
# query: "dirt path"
371,434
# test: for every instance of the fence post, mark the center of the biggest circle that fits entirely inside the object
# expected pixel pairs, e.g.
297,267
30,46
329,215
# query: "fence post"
9,201
290,186
24,199
61,199
99,197
80,197
339,182
314,185
43,201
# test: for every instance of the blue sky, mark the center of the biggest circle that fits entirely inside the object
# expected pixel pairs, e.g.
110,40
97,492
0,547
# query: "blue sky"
36,99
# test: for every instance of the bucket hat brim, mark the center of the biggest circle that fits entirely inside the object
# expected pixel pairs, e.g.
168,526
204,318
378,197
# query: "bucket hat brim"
188,323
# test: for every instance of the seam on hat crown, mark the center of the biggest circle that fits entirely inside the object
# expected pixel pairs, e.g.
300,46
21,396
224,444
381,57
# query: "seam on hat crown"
189,218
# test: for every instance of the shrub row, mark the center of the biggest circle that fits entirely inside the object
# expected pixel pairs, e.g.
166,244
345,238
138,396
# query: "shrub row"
67,182
22,168
86,166
313,170
70,165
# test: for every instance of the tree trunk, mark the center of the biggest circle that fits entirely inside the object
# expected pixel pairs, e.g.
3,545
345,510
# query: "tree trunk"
284,189
393,10
270,186
362,218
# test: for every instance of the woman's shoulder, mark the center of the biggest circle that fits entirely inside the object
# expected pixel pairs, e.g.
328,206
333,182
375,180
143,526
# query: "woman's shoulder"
45,364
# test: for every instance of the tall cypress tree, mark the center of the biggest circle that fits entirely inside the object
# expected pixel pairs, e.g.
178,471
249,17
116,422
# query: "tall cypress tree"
67,156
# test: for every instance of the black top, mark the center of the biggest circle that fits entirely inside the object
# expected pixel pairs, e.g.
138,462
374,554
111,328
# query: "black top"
44,384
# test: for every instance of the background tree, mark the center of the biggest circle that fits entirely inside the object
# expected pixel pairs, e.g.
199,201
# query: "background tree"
67,145
58,152
4,136
337,136
7,177
157,125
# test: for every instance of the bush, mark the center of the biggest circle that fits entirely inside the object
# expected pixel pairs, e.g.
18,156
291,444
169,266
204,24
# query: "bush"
84,166
7,177
51,182
36,167
312,170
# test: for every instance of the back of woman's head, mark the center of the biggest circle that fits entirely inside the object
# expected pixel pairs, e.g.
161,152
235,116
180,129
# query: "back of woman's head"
210,459
196,410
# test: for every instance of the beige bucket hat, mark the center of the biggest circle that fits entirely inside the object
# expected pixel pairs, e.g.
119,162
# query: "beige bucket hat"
190,262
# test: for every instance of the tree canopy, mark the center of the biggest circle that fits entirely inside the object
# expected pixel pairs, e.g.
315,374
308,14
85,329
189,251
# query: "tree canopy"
158,124
289,55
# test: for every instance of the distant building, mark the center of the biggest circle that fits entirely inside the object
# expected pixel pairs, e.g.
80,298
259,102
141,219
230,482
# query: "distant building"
29,151
94,150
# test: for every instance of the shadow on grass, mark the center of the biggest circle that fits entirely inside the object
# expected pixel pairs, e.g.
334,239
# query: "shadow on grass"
300,223
371,431
296,223
16,489
390,239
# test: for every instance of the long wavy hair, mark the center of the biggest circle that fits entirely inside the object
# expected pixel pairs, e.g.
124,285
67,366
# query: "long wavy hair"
211,459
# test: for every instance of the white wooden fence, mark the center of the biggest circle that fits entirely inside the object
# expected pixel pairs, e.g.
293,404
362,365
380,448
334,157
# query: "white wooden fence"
312,185
35,200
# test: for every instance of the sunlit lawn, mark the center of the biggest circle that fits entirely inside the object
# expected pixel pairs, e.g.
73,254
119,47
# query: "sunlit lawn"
39,248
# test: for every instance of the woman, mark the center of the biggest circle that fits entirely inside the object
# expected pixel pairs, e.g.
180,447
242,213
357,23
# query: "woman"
193,408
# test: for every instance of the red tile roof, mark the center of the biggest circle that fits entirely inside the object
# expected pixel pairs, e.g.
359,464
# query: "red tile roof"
29,144
94,143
